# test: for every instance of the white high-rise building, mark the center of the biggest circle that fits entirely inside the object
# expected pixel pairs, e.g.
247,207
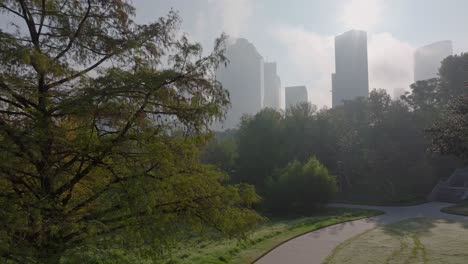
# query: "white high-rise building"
427,59
243,77
272,84
351,77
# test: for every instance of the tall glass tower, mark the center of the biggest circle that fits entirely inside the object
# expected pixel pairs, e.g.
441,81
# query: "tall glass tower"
351,77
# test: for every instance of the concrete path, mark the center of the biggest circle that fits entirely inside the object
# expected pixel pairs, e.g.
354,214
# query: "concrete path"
314,247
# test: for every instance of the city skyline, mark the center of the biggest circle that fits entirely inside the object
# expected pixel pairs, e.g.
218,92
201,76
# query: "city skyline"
299,36
349,81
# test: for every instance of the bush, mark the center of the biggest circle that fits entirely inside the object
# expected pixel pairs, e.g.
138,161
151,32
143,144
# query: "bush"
300,188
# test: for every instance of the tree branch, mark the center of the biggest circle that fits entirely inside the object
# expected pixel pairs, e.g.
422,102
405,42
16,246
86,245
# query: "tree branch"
43,12
76,34
16,180
16,139
30,22
114,141
11,102
78,74
15,113
19,98
12,11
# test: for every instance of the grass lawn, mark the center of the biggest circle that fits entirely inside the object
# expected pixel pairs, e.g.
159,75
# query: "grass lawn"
418,240
381,203
459,209
379,200
265,238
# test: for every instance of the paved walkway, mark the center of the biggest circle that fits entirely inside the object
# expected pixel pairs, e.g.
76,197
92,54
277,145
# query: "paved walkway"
314,247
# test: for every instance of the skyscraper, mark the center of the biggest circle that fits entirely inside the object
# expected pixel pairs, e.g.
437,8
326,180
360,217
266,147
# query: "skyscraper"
295,95
351,77
272,84
427,59
243,78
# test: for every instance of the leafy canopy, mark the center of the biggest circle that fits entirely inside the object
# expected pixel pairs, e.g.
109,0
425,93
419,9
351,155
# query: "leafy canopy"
101,120
300,187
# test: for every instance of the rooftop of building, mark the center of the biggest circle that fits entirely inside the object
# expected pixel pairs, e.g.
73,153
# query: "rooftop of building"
352,32
436,44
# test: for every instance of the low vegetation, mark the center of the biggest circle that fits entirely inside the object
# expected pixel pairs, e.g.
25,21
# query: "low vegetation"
300,187
408,200
264,238
419,240
459,209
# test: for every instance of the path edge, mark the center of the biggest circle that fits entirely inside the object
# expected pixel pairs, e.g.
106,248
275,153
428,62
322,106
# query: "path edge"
307,232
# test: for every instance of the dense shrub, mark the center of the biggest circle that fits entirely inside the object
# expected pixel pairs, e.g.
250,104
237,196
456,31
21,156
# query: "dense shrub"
300,188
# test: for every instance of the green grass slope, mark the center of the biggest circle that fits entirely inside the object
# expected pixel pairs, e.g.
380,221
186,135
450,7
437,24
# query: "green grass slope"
419,240
264,239
459,209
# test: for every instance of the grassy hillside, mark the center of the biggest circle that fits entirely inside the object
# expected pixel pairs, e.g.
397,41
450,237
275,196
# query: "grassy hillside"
265,238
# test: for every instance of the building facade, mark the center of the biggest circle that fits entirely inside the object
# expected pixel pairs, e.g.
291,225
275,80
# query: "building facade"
351,77
243,77
427,59
272,83
295,95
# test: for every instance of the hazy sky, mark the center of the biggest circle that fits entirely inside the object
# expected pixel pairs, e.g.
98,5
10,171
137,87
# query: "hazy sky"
298,34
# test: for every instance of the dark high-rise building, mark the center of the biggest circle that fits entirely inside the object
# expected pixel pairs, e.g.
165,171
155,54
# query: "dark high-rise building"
272,84
295,95
243,78
427,59
351,77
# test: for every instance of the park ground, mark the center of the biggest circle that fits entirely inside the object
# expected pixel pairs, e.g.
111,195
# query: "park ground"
314,247
417,240
265,238
405,234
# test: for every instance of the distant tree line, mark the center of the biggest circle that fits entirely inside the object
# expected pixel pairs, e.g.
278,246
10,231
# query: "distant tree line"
376,147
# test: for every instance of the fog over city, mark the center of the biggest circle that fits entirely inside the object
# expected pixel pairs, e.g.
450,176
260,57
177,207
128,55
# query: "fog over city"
233,131
299,35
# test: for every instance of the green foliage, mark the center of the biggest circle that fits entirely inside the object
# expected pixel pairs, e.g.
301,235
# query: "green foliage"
300,188
436,94
423,95
382,150
101,123
221,151
376,147
450,133
453,74
298,125
259,147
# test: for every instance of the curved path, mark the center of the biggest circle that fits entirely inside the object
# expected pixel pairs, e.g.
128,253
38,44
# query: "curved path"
315,246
